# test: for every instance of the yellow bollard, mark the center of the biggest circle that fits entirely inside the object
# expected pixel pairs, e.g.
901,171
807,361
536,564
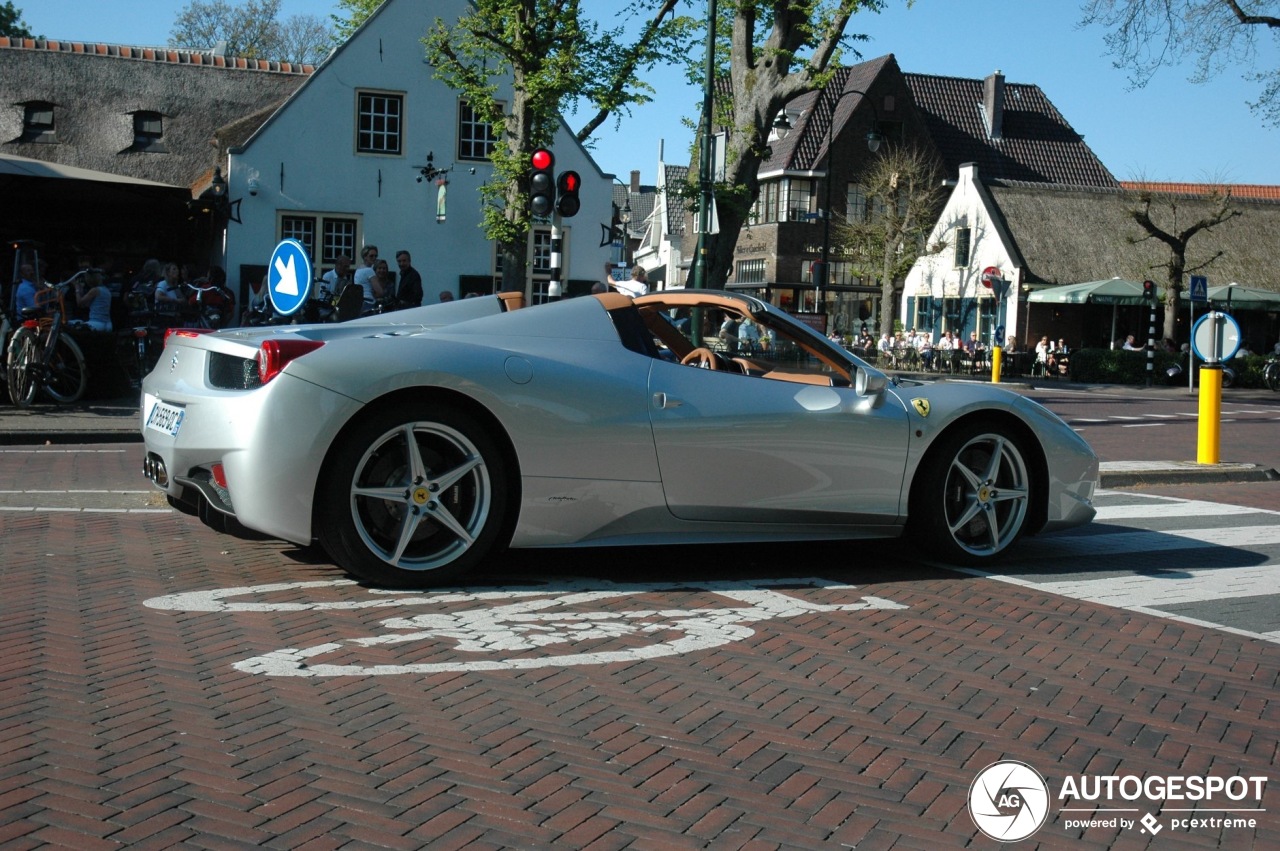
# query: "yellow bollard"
996,357
1210,413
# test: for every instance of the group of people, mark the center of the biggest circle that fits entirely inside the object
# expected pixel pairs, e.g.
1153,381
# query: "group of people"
380,286
912,349
92,295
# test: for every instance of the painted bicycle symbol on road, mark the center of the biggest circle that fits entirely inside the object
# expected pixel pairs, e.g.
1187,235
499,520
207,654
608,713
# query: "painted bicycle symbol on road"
576,622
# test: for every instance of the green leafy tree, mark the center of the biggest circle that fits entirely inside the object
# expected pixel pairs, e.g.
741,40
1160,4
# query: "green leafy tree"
11,23
1146,35
777,50
555,58
356,13
904,192
253,30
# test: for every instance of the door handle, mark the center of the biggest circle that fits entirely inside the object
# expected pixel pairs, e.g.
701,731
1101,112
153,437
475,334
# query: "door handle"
663,401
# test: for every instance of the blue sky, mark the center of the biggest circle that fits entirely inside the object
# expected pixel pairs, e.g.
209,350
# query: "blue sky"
1169,130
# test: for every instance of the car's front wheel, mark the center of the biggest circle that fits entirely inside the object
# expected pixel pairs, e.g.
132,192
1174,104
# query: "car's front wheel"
414,497
972,496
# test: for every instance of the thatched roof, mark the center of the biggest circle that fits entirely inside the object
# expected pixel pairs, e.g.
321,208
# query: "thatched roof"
96,89
1069,234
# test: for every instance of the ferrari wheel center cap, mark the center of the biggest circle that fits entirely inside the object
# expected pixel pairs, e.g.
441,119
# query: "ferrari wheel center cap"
420,496
985,493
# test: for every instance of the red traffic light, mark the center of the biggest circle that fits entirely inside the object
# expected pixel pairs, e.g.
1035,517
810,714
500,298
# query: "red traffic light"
568,185
542,183
1148,289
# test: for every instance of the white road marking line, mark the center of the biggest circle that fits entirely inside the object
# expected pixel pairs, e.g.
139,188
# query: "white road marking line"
1142,425
1190,508
1191,586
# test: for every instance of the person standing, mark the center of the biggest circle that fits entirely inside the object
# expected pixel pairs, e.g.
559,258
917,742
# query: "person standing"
364,275
409,286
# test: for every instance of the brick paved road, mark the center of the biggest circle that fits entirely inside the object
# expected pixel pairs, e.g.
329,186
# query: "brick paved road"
137,712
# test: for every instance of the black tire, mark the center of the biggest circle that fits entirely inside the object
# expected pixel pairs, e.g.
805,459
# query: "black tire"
971,498
20,359
67,377
406,513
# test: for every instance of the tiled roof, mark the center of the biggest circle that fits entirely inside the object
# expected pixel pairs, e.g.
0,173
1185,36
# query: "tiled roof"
806,145
1238,190
674,176
175,56
1037,144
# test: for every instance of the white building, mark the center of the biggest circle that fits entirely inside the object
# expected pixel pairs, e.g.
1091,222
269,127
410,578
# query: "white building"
341,165
945,291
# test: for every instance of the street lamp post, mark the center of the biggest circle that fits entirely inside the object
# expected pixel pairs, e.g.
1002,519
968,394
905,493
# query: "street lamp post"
873,144
624,219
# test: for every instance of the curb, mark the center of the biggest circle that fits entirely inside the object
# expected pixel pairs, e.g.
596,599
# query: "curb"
1127,474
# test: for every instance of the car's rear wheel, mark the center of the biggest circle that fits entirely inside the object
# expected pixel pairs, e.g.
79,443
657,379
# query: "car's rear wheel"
414,496
972,496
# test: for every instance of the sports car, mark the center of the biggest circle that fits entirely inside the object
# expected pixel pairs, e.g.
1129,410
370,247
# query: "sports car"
415,445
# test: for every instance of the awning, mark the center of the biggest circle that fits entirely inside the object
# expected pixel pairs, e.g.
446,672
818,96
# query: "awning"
14,166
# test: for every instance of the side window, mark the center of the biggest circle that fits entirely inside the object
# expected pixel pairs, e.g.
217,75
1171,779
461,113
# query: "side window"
475,137
379,123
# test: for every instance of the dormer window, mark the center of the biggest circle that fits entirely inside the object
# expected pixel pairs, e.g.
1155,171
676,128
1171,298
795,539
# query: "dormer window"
148,132
37,122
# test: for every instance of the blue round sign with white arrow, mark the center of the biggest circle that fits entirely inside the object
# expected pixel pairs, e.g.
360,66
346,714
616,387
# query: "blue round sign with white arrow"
289,277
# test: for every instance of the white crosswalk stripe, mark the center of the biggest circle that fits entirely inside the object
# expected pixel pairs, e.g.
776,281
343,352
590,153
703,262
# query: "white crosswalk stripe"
1204,563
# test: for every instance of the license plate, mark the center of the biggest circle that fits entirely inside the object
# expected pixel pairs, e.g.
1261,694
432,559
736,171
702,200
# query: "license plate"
165,418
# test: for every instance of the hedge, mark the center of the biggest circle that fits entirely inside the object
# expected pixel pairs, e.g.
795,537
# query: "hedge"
1118,366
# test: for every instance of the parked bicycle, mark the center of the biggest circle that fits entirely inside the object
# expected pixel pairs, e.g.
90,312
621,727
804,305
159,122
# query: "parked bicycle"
1271,375
40,356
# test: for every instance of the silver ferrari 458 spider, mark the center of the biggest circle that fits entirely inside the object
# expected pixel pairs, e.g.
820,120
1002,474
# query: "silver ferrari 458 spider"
415,445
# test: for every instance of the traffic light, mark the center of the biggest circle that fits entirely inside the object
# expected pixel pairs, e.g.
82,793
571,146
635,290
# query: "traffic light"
1149,290
542,183
567,187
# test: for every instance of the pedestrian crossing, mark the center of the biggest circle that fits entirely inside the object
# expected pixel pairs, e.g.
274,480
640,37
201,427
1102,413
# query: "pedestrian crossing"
1206,563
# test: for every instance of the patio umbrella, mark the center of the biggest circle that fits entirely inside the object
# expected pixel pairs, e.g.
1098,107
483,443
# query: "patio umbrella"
1112,291
1242,297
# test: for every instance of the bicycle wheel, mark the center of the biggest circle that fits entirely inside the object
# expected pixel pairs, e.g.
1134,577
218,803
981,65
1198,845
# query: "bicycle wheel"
20,366
1271,374
67,378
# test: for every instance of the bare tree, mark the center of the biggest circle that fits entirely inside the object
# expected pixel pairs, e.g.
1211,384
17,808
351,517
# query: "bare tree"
903,191
1146,35
304,39
252,30
1157,215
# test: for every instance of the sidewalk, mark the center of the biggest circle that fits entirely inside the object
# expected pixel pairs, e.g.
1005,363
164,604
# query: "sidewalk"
116,421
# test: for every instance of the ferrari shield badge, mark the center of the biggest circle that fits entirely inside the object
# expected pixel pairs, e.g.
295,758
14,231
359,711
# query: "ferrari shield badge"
921,406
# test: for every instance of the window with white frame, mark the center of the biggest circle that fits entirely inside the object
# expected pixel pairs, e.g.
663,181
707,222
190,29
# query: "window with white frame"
855,203
325,236
475,136
750,271
799,199
379,122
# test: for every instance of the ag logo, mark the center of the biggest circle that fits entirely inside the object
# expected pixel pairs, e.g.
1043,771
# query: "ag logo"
921,406
1008,801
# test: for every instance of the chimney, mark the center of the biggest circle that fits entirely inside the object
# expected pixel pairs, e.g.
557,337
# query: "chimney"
635,180
993,104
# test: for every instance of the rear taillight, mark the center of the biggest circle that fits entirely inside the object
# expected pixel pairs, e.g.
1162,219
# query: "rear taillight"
275,354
